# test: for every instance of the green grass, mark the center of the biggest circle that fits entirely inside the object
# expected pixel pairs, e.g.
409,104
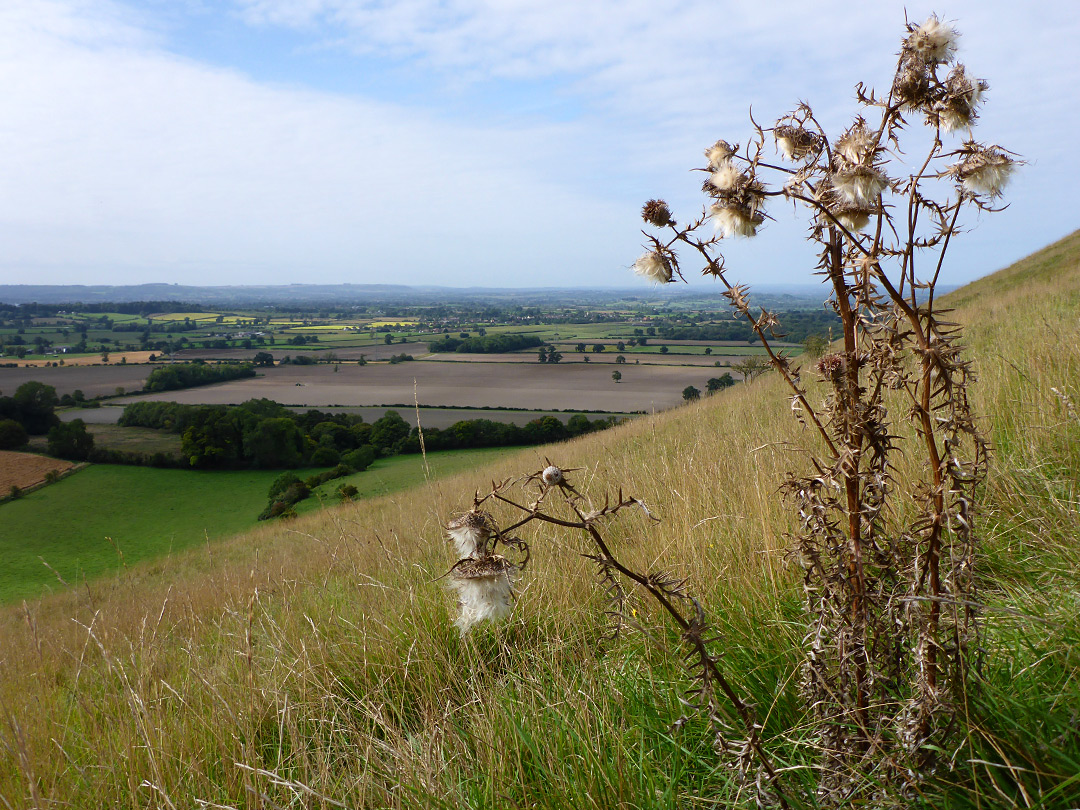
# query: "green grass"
150,513
397,473
147,512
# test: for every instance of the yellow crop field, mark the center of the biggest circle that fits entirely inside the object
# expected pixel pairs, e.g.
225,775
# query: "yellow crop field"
377,324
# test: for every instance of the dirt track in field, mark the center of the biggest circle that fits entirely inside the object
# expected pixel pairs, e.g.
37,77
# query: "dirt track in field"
23,470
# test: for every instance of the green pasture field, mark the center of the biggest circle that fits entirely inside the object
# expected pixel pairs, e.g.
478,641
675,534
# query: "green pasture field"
398,473
150,513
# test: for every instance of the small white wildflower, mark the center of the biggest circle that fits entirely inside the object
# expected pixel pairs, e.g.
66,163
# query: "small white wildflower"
861,186
552,476
654,267
726,178
484,590
718,154
734,221
470,533
934,40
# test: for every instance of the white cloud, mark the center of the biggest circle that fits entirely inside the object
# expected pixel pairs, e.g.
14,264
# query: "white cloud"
124,162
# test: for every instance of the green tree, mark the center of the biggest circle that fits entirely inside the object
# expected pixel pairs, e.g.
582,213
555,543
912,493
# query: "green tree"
620,359
263,359
274,443
12,435
35,403
689,394
598,347
616,375
719,383
71,441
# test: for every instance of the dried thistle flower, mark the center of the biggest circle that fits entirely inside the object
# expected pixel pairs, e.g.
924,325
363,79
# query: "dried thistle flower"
861,186
484,589
796,143
736,220
552,476
727,178
470,533
656,212
984,169
719,153
957,108
654,266
857,145
853,217
934,41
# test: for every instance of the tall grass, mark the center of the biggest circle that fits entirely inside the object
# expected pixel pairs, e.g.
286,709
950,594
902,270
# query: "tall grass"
315,664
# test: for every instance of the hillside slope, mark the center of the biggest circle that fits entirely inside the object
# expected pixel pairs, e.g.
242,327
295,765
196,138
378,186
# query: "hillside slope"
314,663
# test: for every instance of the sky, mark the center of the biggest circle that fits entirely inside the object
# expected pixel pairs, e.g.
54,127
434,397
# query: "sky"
496,143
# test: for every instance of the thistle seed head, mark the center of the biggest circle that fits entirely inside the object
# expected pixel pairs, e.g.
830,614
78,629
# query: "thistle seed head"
860,187
654,266
984,169
470,533
736,220
727,178
719,153
552,476
484,589
656,212
934,41
853,218
957,107
796,143
857,146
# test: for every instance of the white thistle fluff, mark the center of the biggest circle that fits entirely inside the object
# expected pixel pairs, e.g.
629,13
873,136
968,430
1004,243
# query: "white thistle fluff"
860,187
469,534
482,598
854,219
654,267
719,154
732,221
934,40
726,178
855,144
991,177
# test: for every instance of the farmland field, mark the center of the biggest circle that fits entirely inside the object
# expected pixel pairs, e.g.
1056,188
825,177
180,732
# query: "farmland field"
584,386
91,380
24,470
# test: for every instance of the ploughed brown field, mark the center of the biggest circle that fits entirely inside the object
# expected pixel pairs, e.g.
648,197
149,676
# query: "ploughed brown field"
23,470
574,386
91,380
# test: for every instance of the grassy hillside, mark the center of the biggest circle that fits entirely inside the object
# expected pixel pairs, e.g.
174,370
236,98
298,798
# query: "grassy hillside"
109,517
314,663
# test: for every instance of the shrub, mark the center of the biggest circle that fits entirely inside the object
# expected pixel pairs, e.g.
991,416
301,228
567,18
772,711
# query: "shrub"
12,435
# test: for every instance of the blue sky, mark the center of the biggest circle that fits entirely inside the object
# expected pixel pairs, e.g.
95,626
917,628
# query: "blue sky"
460,142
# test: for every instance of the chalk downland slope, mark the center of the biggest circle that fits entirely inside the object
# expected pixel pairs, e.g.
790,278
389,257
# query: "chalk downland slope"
314,662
